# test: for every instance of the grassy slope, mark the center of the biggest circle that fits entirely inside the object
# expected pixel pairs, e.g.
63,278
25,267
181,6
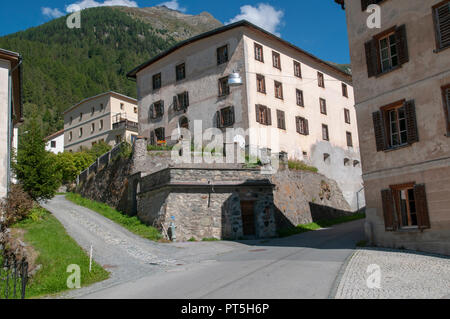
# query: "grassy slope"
319,225
133,224
57,250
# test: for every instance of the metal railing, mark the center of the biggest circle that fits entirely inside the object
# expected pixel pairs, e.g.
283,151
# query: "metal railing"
13,276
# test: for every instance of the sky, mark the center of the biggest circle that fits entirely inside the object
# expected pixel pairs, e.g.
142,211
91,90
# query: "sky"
318,27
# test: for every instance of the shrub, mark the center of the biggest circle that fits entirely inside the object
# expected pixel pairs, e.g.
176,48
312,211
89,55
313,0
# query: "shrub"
297,165
16,206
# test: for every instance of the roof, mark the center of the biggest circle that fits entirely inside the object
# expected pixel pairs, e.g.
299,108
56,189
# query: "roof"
54,135
17,74
122,96
242,23
341,2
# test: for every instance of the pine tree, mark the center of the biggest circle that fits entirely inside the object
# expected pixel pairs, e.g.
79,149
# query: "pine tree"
34,166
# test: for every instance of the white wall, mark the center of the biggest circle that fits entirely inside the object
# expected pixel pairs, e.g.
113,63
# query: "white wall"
4,152
59,148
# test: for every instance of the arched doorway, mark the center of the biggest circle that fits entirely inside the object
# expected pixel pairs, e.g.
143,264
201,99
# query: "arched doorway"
184,123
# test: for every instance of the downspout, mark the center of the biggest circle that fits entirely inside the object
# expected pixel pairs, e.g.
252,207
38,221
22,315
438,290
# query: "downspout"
10,122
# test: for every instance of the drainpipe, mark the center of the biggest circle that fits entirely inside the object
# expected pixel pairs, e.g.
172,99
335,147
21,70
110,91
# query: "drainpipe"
10,126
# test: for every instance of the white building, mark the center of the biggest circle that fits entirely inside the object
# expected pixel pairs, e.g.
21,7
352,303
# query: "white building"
10,111
304,104
55,142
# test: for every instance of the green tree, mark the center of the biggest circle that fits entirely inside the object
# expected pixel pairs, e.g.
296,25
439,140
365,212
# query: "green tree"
70,165
34,166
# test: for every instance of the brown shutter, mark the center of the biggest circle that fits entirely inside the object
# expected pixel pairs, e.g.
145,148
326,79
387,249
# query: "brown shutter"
269,117
218,121
388,210
379,131
187,98
423,218
442,17
402,44
447,108
257,110
306,127
372,58
411,122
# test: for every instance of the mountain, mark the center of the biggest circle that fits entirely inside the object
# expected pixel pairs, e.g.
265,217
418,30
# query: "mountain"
63,66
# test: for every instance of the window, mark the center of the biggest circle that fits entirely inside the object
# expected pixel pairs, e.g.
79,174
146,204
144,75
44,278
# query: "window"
446,96
92,128
297,69
135,110
344,90
80,133
92,111
323,106
71,120
281,120
325,133
70,136
349,139
181,101
405,206
395,125
160,134
261,83
225,117
122,106
118,139
101,125
157,110
222,55
263,115
53,144
300,101
224,88
347,116
387,51
278,90
441,15
259,53
320,79
302,125
101,108
81,117
276,60
157,81
181,72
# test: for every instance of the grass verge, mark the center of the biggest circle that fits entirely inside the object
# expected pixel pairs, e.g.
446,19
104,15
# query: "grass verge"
57,250
319,224
133,224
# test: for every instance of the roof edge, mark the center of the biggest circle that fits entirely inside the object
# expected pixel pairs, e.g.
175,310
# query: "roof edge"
97,96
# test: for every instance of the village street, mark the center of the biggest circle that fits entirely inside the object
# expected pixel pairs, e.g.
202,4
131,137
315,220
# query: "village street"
302,266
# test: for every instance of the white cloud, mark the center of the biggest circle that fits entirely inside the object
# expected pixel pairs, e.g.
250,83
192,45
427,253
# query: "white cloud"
92,4
174,5
263,15
52,13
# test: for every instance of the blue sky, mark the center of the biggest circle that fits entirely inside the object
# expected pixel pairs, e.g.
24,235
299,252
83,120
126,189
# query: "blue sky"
316,26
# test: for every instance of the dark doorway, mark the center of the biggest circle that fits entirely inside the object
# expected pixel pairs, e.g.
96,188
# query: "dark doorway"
248,217
184,123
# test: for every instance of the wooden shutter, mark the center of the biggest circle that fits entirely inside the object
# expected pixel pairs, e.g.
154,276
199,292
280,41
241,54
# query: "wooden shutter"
402,44
442,18
269,117
162,108
233,116
151,112
175,103
372,58
388,210
423,218
306,127
187,98
297,123
379,131
447,108
218,119
258,110
411,122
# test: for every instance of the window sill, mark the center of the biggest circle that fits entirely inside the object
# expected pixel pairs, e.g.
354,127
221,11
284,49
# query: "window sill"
392,149
388,71
408,230
437,51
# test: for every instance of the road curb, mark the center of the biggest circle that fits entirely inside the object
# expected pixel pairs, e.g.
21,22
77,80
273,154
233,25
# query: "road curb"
340,274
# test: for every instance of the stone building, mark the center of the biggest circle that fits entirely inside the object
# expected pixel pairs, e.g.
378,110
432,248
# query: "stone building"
109,117
401,73
11,111
290,101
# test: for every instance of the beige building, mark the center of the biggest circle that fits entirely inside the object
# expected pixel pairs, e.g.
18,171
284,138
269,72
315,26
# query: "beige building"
10,111
290,101
109,117
401,74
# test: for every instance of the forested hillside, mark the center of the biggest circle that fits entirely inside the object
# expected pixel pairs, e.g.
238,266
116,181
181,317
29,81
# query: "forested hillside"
63,66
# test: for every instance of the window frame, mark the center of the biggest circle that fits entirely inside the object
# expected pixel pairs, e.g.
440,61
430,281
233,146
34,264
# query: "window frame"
437,33
52,144
323,106
224,91
178,67
387,124
344,90
297,72
320,79
349,139
261,79
278,90
157,85
226,58
302,125
299,93
396,194
263,115
276,60
325,130
227,117
347,116
446,103
257,47
387,35
281,120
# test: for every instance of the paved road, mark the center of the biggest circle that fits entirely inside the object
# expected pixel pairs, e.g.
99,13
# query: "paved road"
302,266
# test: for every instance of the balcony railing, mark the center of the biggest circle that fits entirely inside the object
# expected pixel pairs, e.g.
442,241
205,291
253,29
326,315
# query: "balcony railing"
128,125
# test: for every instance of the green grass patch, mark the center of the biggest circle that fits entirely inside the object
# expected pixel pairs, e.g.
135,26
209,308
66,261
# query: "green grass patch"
133,224
151,148
296,165
319,225
57,250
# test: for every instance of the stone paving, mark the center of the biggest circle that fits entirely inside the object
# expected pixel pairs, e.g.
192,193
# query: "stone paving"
404,275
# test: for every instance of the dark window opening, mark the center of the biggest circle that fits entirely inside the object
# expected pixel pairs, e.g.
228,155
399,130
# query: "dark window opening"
222,55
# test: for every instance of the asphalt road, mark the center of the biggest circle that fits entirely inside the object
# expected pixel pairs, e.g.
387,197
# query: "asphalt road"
302,266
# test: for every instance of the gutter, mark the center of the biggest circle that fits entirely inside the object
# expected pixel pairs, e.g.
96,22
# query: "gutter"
10,120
